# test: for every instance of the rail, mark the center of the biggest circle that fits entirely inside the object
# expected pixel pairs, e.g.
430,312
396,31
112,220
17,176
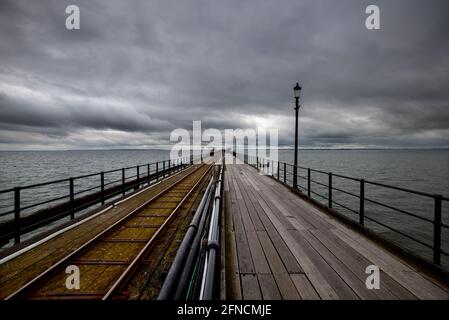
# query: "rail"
314,180
82,192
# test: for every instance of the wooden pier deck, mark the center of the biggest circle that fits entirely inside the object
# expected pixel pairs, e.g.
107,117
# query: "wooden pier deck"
280,246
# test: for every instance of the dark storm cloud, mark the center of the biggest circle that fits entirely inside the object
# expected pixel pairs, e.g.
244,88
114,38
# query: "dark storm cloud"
138,69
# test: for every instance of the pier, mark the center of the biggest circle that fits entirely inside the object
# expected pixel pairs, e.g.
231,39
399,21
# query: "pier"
212,230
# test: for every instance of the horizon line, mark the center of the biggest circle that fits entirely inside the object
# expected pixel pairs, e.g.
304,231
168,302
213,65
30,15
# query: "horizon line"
279,148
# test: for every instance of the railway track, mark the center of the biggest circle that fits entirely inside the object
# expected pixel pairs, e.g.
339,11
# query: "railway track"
107,262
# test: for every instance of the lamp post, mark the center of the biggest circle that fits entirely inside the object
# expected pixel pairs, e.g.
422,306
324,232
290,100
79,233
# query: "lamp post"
297,91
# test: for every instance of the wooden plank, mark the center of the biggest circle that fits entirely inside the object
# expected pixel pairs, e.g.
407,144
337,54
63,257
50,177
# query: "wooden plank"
334,279
304,287
268,287
244,254
357,263
420,286
250,287
257,225
284,252
274,208
320,283
233,287
307,218
258,256
349,275
284,282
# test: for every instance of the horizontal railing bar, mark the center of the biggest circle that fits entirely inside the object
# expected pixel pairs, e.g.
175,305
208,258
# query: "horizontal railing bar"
6,213
400,189
399,210
317,182
319,171
111,171
347,192
347,208
43,222
114,181
319,195
44,202
400,232
86,190
7,190
444,252
87,176
345,177
129,168
44,184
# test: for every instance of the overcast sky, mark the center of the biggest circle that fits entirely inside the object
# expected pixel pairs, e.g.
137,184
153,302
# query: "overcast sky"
138,69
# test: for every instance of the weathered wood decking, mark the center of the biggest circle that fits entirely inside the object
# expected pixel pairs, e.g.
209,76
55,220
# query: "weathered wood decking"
279,246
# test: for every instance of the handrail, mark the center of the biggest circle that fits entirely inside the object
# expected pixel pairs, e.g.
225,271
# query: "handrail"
436,221
213,244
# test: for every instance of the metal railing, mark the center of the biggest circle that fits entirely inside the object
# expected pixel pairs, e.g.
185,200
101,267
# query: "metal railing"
284,172
82,192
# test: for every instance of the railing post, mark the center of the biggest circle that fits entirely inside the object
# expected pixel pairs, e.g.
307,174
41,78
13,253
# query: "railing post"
285,172
157,171
138,177
169,167
72,199
17,214
362,202
278,170
123,181
308,182
163,167
330,190
295,177
148,173
102,187
437,230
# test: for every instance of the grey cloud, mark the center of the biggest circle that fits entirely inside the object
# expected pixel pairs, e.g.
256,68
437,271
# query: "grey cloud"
166,63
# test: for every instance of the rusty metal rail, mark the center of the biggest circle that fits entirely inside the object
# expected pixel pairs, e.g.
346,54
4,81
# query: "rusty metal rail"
107,261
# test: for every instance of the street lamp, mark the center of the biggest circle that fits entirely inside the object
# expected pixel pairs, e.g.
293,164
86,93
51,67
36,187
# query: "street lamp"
297,91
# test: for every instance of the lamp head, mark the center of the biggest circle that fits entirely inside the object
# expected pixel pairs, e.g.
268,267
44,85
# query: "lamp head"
297,90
